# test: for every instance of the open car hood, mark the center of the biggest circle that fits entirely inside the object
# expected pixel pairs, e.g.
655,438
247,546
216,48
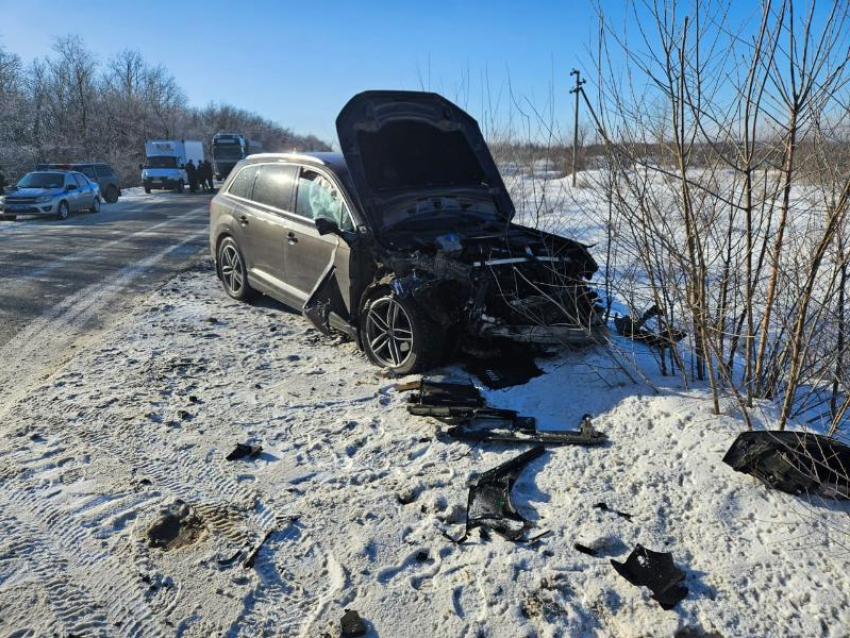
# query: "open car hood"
406,145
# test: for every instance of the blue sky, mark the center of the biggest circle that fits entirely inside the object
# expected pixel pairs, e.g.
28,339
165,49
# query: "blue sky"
298,62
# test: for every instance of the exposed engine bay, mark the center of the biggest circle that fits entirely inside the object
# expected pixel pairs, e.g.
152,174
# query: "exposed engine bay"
496,280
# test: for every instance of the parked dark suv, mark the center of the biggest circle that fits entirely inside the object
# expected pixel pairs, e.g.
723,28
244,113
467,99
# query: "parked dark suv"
404,241
101,174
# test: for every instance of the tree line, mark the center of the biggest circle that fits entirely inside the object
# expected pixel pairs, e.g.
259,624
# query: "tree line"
71,107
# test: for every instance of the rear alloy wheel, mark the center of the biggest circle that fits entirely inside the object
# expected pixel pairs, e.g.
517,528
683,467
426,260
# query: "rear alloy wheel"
62,211
111,195
232,271
399,336
95,205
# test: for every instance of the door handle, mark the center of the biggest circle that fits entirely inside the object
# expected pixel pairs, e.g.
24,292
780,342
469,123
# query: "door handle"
243,220
291,238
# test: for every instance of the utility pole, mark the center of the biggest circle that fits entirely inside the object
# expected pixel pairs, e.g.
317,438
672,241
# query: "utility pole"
577,90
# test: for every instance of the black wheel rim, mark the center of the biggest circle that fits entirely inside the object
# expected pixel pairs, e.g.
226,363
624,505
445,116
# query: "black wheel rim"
232,273
390,332
63,211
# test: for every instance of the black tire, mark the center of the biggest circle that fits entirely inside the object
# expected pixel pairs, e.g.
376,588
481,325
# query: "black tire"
95,205
111,195
62,211
232,271
412,342
147,190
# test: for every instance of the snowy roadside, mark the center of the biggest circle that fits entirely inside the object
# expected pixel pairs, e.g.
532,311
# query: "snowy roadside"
347,504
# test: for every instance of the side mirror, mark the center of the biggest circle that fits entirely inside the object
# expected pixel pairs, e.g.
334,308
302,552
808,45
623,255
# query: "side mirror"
71,187
326,226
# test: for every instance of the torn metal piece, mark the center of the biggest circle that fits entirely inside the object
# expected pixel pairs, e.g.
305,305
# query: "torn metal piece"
352,625
519,429
489,502
244,451
604,507
636,330
655,570
793,462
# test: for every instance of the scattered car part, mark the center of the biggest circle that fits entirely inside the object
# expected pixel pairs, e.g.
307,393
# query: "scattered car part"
793,462
516,429
352,625
463,397
489,502
604,507
637,331
655,570
584,549
244,451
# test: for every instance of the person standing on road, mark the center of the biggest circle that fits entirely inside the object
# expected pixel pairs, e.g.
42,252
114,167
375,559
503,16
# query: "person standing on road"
192,175
208,171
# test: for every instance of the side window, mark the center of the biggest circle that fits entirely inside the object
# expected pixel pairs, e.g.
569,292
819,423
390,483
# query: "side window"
243,183
274,185
70,181
317,197
103,172
82,182
88,171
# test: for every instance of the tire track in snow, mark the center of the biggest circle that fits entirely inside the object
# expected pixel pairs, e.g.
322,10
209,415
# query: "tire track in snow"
30,353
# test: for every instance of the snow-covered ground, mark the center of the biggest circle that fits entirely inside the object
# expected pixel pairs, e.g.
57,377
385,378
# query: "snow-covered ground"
352,496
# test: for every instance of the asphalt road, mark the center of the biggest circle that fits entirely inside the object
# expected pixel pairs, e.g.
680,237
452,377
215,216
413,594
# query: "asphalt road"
64,282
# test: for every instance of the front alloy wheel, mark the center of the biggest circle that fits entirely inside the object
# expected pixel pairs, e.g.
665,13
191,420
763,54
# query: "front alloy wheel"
232,271
62,211
390,332
398,335
95,205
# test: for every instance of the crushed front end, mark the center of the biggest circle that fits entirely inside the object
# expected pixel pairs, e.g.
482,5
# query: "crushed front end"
497,281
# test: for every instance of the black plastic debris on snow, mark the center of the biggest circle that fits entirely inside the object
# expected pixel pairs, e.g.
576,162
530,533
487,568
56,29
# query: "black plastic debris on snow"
489,503
510,367
352,625
655,570
244,451
584,549
604,507
793,462
442,399
481,428
462,406
636,329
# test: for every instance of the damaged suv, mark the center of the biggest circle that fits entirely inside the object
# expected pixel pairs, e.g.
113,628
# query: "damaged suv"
404,241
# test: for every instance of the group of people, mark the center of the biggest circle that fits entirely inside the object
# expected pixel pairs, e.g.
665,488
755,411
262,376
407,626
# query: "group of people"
200,175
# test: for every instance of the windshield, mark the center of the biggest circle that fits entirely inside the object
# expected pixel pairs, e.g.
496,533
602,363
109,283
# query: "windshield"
228,151
42,180
427,208
161,161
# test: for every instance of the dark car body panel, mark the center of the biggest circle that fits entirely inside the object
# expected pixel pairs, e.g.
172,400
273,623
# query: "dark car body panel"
402,145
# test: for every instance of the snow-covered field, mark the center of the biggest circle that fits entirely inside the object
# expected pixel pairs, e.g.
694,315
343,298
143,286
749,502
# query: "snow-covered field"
349,501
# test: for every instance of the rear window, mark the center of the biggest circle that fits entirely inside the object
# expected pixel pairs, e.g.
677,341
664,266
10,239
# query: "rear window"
243,183
88,171
274,185
104,171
